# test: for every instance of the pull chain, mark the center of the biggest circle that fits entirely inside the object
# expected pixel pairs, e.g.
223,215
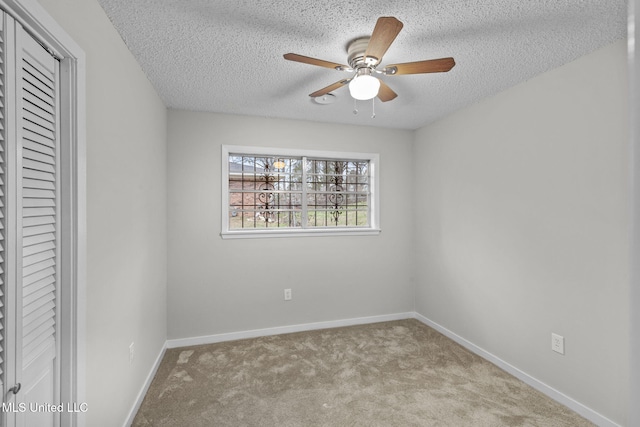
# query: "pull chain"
373,107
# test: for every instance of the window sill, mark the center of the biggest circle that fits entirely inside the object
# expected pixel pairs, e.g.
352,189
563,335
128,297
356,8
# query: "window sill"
324,232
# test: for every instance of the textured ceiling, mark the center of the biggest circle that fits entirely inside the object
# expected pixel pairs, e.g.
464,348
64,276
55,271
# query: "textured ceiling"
226,55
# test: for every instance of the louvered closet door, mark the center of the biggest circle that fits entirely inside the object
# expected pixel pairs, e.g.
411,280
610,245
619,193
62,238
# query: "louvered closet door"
37,225
29,230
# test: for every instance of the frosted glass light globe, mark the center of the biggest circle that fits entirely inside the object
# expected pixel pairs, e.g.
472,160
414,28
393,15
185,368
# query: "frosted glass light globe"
364,87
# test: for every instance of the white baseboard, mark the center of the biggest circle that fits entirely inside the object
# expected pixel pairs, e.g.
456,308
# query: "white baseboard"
554,394
145,387
232,336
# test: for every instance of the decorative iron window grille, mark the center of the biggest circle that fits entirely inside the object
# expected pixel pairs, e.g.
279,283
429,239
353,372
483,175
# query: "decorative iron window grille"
337,193
298,192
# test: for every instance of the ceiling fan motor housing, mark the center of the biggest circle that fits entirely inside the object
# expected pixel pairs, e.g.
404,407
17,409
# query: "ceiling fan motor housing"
356,50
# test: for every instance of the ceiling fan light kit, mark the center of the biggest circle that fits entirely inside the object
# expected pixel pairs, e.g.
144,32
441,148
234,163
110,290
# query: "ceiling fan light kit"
364,56
364,86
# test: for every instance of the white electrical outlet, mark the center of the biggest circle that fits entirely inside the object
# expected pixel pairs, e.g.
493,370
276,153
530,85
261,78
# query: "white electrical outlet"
132,351
287,295
557,343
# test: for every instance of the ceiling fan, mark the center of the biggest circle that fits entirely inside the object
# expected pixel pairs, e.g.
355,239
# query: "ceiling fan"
365,55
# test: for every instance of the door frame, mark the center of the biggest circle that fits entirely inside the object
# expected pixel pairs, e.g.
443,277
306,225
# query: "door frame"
72,329
633,35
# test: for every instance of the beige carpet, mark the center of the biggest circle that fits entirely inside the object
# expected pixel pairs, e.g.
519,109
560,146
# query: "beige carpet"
399,373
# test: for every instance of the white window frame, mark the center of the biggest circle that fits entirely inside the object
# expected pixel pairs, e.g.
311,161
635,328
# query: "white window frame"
374,212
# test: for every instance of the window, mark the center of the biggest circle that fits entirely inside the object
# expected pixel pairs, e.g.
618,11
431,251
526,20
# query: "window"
278,192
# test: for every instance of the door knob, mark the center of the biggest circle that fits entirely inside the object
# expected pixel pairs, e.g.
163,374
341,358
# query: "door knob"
16,388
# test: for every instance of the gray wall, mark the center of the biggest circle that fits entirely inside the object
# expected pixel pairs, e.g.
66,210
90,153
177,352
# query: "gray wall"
126,214
218,286
522,222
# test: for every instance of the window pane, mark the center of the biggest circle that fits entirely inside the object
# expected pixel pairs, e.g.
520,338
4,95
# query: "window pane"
338,193
264,192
